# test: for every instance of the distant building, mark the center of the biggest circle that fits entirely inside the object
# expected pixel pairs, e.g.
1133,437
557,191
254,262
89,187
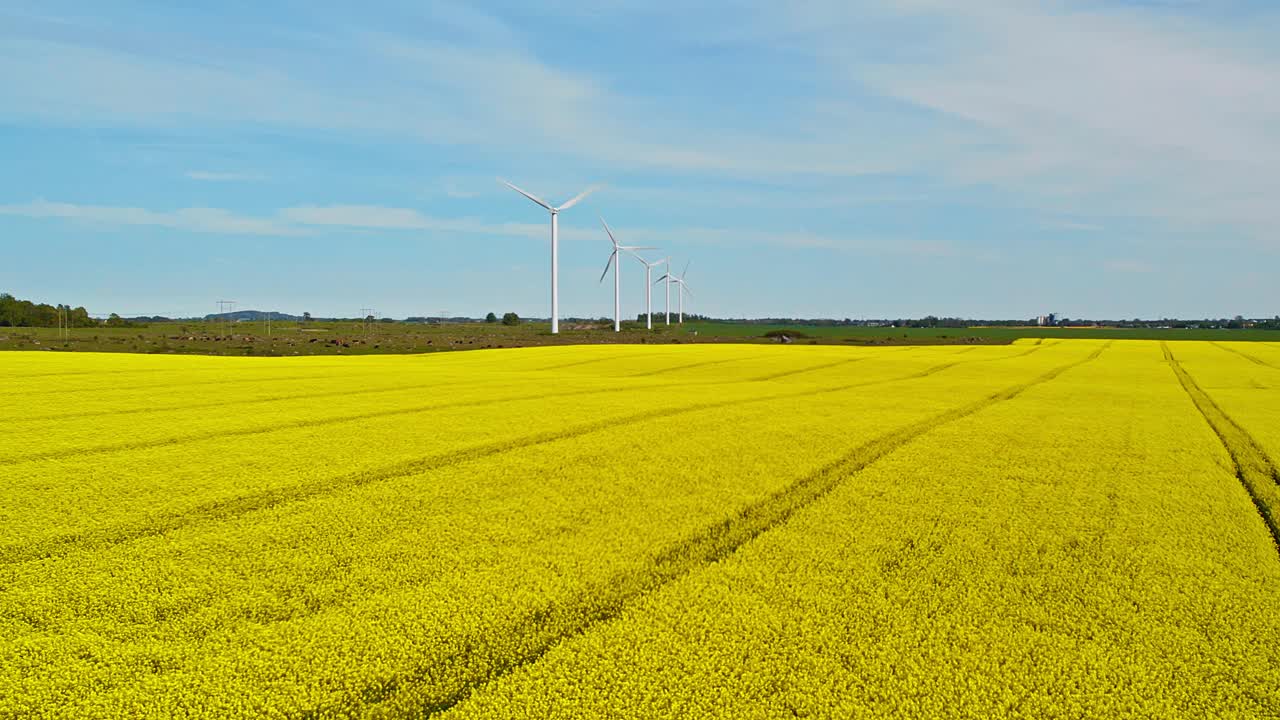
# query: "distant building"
1047,320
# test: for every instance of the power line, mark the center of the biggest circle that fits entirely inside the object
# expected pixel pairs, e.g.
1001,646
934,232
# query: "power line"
225,308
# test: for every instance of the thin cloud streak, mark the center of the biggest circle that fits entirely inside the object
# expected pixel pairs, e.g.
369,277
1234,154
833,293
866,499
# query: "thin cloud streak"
1080,109
206,176
194,219
304,220
430,92
1127,266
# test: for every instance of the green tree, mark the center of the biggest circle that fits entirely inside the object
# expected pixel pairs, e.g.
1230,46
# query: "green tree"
8,309
510,319
491,318
79,317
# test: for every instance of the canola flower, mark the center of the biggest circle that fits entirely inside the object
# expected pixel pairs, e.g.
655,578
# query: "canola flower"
1081,550
1241,379
389,536
122,483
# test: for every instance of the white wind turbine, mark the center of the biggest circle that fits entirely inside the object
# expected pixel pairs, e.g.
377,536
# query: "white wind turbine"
683,288
666,278
616,261
555,245
648,289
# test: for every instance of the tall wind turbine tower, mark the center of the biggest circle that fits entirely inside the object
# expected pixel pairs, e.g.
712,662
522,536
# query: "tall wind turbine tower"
683,287
616,260
555,244
666,278
648,289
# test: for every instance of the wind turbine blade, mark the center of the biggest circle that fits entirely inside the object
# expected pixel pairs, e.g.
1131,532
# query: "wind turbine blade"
609,262
664,277
531,197
686,269
636,247
578,199
611,238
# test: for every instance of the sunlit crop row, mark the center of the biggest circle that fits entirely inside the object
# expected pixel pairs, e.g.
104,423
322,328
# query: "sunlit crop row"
1082,550
122,482
533,533
1244,380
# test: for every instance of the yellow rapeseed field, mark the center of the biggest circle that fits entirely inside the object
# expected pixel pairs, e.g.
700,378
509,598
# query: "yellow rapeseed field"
1068,528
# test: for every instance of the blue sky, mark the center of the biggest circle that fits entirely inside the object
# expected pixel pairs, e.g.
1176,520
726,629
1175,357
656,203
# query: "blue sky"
836,159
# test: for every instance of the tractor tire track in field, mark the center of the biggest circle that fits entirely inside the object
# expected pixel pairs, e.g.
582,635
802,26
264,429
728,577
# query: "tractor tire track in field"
1253,467
371,391
132,371
297,424
73,373
1251,358
355,417
436,384
241,505
439,384
226,403
576,363
836,364
163,386
143,371
535,635
811,368
674,368
920,374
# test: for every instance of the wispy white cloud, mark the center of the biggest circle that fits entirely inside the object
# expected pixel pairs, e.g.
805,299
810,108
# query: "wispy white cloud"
1120,265
207,176
1133,111
358,216
369,217
1077,110
453,191
376,217
490,93
195,219
291,221
1074,226
311,219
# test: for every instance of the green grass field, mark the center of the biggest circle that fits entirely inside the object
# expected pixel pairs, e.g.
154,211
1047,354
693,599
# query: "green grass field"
354,338
985,334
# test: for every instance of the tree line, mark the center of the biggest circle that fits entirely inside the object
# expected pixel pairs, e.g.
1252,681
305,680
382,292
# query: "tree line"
24,313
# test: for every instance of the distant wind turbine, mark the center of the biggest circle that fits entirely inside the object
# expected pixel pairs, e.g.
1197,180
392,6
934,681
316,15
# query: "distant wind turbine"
648,289
683,288
666,278
555,244
616,261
